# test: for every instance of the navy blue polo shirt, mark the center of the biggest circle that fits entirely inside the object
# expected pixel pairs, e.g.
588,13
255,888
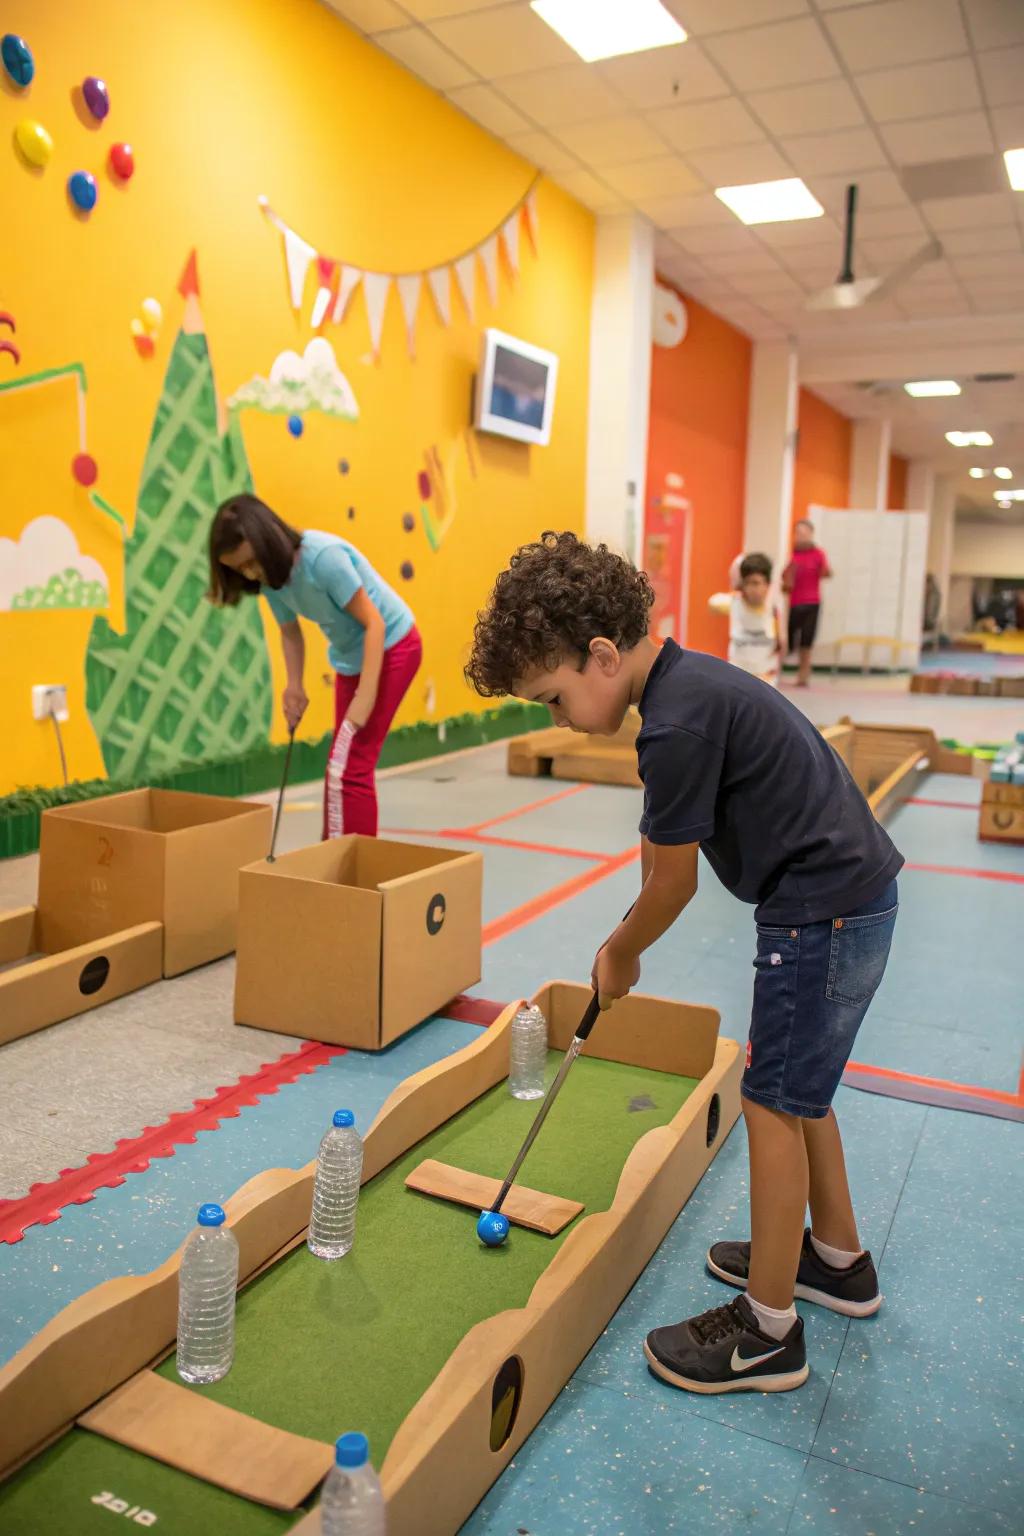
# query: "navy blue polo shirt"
729,763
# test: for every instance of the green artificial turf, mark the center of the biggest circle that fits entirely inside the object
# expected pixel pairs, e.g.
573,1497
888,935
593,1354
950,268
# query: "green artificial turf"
322,1348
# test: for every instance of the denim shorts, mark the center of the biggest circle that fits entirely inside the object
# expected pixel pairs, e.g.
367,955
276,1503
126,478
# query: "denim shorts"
812,987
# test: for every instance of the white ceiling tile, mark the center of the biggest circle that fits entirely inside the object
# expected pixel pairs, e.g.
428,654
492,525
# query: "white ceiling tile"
988,303
990,263
569,94
933,274
737,264
920,90
800,232
709,125
841,5
992,284
789,53
995,23
880,222
542,150
813,258
738,166
435,10
996,208
714,240
823,154
891,249
588,189
775,286
698,209
898,32
967,242
487,108
1008,126
1002,76
817,107
703,16
611,140
662,77
424,55
503,41
938,138
370,15
931,303
662,175
878,189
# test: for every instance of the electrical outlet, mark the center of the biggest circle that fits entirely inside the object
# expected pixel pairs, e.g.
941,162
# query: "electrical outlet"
50,699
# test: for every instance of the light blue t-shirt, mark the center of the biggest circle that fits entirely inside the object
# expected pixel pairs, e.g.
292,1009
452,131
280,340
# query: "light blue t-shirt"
325,578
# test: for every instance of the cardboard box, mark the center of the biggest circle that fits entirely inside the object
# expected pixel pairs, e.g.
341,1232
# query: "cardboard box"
356,940
152,855
1002,813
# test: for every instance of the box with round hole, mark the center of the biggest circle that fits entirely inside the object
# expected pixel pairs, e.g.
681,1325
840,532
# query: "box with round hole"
444,1352
132,887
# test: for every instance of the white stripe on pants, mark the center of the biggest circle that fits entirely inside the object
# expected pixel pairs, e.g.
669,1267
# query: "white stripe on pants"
336,765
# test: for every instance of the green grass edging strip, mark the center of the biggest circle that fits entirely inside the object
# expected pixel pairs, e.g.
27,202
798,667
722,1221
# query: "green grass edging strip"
252,772
323,1348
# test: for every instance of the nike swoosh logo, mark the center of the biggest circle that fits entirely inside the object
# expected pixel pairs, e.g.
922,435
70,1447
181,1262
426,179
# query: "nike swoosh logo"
741,1363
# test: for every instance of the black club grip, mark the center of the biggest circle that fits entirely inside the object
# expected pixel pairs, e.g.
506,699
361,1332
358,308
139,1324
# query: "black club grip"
589,1019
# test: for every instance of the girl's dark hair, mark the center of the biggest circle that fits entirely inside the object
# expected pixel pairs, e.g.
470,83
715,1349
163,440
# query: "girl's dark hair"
755,565
242,519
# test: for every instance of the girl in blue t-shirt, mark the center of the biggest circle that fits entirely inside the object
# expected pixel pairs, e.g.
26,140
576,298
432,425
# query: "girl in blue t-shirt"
373,643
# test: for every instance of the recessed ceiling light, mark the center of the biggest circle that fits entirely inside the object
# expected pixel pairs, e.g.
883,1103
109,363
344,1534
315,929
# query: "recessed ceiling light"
1004,505
1002,473
969,439
977,474
1008,496
604,29
771,202
1015,168
925,388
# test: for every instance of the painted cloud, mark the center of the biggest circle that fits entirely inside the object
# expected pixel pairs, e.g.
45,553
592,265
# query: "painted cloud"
312,382
46,569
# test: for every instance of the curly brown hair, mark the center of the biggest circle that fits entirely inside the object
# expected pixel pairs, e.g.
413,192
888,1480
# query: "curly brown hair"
556,596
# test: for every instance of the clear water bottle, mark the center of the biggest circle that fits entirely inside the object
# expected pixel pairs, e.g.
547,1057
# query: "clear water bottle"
352,1503
528,1054
207,1283
339,1167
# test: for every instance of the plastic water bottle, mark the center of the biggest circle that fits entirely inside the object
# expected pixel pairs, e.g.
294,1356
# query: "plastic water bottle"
207,1283
339,1167
352,1503
528,1054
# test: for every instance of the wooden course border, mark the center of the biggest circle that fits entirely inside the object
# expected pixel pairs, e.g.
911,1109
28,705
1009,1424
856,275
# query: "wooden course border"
440,1462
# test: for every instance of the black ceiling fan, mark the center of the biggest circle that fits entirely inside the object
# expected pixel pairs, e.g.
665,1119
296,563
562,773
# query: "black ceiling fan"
850,292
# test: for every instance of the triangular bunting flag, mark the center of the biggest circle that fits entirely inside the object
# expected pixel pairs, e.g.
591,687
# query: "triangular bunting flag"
326,271
347,284
510,235
440,280
530,210
489,262
298,256
465,276
375,289
188,282
409,293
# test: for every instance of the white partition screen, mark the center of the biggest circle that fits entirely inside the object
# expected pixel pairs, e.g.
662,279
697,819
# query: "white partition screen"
871,610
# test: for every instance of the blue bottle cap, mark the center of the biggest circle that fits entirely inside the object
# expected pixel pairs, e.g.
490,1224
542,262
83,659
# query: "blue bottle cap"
344,1117
352,1450
211,1215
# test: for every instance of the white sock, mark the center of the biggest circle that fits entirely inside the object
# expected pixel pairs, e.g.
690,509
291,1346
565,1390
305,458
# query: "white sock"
775,1324
839,1258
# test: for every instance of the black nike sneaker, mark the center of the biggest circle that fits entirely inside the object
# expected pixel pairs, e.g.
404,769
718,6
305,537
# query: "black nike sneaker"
724,1350
853,1291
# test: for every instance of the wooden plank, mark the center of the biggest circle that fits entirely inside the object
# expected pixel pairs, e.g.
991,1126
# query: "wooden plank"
526,1207
232,1450
597,765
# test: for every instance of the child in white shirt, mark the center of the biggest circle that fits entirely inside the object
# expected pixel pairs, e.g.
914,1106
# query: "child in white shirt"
754,643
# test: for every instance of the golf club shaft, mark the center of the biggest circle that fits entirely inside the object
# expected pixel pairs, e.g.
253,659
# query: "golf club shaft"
280,798
575,1046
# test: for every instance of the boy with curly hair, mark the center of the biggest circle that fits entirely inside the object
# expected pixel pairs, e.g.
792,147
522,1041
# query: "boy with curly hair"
730,769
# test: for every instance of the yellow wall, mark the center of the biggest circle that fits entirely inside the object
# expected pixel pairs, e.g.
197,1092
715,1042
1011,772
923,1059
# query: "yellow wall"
223,100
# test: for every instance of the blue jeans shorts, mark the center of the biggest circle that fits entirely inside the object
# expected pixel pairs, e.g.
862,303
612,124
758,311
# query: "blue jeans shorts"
812,987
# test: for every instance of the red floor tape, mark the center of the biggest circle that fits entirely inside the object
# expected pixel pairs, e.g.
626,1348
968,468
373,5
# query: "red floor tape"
105,1170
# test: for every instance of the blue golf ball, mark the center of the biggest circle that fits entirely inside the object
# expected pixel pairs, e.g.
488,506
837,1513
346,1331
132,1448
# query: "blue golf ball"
492,1228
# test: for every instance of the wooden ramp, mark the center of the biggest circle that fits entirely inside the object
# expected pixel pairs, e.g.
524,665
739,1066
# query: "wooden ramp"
525,1207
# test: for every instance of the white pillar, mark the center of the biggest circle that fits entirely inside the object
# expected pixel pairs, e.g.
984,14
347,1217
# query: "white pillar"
920,485
620,381
869,466
771,451
941,526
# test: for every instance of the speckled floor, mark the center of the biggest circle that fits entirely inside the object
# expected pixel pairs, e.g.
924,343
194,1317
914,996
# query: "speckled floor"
911,1421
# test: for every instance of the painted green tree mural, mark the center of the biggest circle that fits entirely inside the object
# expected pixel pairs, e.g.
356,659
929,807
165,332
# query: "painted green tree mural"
185,682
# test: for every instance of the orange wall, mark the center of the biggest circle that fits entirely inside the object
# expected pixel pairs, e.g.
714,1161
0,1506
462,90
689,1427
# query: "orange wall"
700,393
822,475
897,501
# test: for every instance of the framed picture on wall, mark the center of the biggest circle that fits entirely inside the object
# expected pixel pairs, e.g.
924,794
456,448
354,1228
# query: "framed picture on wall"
515,389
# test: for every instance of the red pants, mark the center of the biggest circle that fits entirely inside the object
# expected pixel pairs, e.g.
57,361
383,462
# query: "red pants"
350,793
